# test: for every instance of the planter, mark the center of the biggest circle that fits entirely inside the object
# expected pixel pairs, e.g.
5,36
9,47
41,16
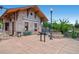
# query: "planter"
27,33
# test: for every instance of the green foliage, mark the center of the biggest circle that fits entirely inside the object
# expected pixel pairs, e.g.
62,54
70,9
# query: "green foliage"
74,35
64,25
45,24
55,26
71,34
50,26
76,24
1,23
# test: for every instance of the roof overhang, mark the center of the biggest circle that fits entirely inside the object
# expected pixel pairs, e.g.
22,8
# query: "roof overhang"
34,8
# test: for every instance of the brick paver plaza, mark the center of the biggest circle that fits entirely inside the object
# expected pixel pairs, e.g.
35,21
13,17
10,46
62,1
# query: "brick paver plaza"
32,44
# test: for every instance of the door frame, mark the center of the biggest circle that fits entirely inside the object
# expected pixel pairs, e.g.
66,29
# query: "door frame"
7,26
12,28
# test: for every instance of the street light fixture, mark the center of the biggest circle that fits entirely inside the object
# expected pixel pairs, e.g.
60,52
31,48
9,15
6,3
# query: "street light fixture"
51,11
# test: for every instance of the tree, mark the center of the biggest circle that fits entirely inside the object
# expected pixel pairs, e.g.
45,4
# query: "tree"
64,25
76,24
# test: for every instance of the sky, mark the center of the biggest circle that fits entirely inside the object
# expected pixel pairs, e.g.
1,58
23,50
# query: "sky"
71,12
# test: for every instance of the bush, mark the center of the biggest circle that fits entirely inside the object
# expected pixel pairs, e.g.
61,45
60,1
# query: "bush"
27,33
55,26
74,35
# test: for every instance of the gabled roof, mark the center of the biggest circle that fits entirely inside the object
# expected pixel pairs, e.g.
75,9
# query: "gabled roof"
35,9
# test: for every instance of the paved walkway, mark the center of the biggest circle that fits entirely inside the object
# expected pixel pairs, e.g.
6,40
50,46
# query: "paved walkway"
31,44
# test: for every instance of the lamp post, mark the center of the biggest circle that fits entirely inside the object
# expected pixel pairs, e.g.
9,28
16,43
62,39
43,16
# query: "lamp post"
51,11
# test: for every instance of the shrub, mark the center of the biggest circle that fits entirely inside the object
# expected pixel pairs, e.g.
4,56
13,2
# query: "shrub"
64,25
55,26
74,35
70,34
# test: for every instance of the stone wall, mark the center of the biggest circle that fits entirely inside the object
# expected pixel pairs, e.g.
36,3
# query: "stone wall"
22,18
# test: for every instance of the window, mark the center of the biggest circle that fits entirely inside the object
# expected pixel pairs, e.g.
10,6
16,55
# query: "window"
35,26
26,26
